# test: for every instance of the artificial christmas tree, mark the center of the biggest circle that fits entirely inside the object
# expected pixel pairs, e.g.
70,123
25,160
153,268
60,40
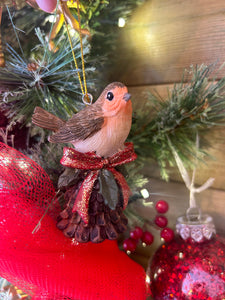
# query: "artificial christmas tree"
40,72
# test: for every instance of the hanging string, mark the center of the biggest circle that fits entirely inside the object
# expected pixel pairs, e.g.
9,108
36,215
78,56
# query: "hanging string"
87,98
189,182
71,46
81,48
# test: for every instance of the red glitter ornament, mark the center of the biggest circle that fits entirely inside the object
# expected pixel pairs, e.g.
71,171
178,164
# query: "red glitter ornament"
192,266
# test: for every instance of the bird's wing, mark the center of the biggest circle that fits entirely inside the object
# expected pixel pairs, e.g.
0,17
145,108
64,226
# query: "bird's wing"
81,126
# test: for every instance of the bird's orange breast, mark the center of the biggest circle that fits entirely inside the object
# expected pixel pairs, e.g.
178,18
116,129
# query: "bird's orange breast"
111,137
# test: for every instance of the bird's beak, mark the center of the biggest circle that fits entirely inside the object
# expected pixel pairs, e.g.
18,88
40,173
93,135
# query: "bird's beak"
127,97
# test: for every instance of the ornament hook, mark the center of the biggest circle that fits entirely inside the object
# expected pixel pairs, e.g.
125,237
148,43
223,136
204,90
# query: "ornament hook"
87,99
194,214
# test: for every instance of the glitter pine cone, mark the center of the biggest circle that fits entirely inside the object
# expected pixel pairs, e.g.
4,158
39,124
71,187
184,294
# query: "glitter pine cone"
104,222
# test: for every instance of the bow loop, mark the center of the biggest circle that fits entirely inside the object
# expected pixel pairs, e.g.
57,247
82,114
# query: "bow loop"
90,161
105,163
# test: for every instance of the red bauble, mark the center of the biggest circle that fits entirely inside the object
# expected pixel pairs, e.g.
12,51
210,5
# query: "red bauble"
191,267
162,206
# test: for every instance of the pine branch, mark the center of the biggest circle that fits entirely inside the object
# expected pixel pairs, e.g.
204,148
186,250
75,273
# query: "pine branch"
194,106
50,81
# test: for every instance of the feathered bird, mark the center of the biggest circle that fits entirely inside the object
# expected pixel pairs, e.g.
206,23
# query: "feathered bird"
101,127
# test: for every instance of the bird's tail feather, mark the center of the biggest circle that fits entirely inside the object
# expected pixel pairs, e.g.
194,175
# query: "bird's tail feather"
44,119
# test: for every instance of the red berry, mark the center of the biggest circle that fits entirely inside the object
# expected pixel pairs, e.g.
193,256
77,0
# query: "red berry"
136,234
161,221
167,234
129,245
162,206
147,238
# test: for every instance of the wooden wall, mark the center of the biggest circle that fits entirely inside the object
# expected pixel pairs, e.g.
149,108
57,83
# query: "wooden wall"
161,39
164,37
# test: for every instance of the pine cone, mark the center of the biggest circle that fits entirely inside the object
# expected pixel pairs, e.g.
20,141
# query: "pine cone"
104,223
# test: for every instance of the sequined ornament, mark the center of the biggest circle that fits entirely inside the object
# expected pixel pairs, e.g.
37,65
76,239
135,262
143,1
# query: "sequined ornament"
192,266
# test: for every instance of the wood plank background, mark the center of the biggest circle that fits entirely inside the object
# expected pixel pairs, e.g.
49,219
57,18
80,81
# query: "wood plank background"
162,39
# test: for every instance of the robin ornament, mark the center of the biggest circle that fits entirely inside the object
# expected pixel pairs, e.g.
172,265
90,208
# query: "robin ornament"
95,191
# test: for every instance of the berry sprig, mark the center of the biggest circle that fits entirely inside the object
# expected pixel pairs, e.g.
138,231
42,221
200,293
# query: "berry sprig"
146,237
136,235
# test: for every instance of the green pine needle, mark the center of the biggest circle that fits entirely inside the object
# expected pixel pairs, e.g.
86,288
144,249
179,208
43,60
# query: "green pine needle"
191,107
52,83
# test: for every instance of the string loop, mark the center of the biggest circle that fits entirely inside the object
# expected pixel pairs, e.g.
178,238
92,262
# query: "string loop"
86,98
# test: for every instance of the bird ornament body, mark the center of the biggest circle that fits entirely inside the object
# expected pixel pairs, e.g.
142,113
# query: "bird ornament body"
101,127
95,191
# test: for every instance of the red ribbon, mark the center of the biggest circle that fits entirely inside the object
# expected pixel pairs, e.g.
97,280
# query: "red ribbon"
90,161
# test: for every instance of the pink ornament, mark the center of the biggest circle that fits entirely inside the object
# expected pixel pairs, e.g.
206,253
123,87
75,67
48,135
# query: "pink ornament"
188,269
162,206
47,5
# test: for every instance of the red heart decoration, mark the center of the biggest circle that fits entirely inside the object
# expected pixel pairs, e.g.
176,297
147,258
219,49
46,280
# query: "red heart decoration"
46,264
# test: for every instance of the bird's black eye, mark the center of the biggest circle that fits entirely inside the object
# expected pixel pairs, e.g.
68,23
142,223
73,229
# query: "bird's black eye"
110,96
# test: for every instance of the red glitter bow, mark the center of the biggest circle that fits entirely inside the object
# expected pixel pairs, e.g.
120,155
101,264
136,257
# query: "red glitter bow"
90,161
